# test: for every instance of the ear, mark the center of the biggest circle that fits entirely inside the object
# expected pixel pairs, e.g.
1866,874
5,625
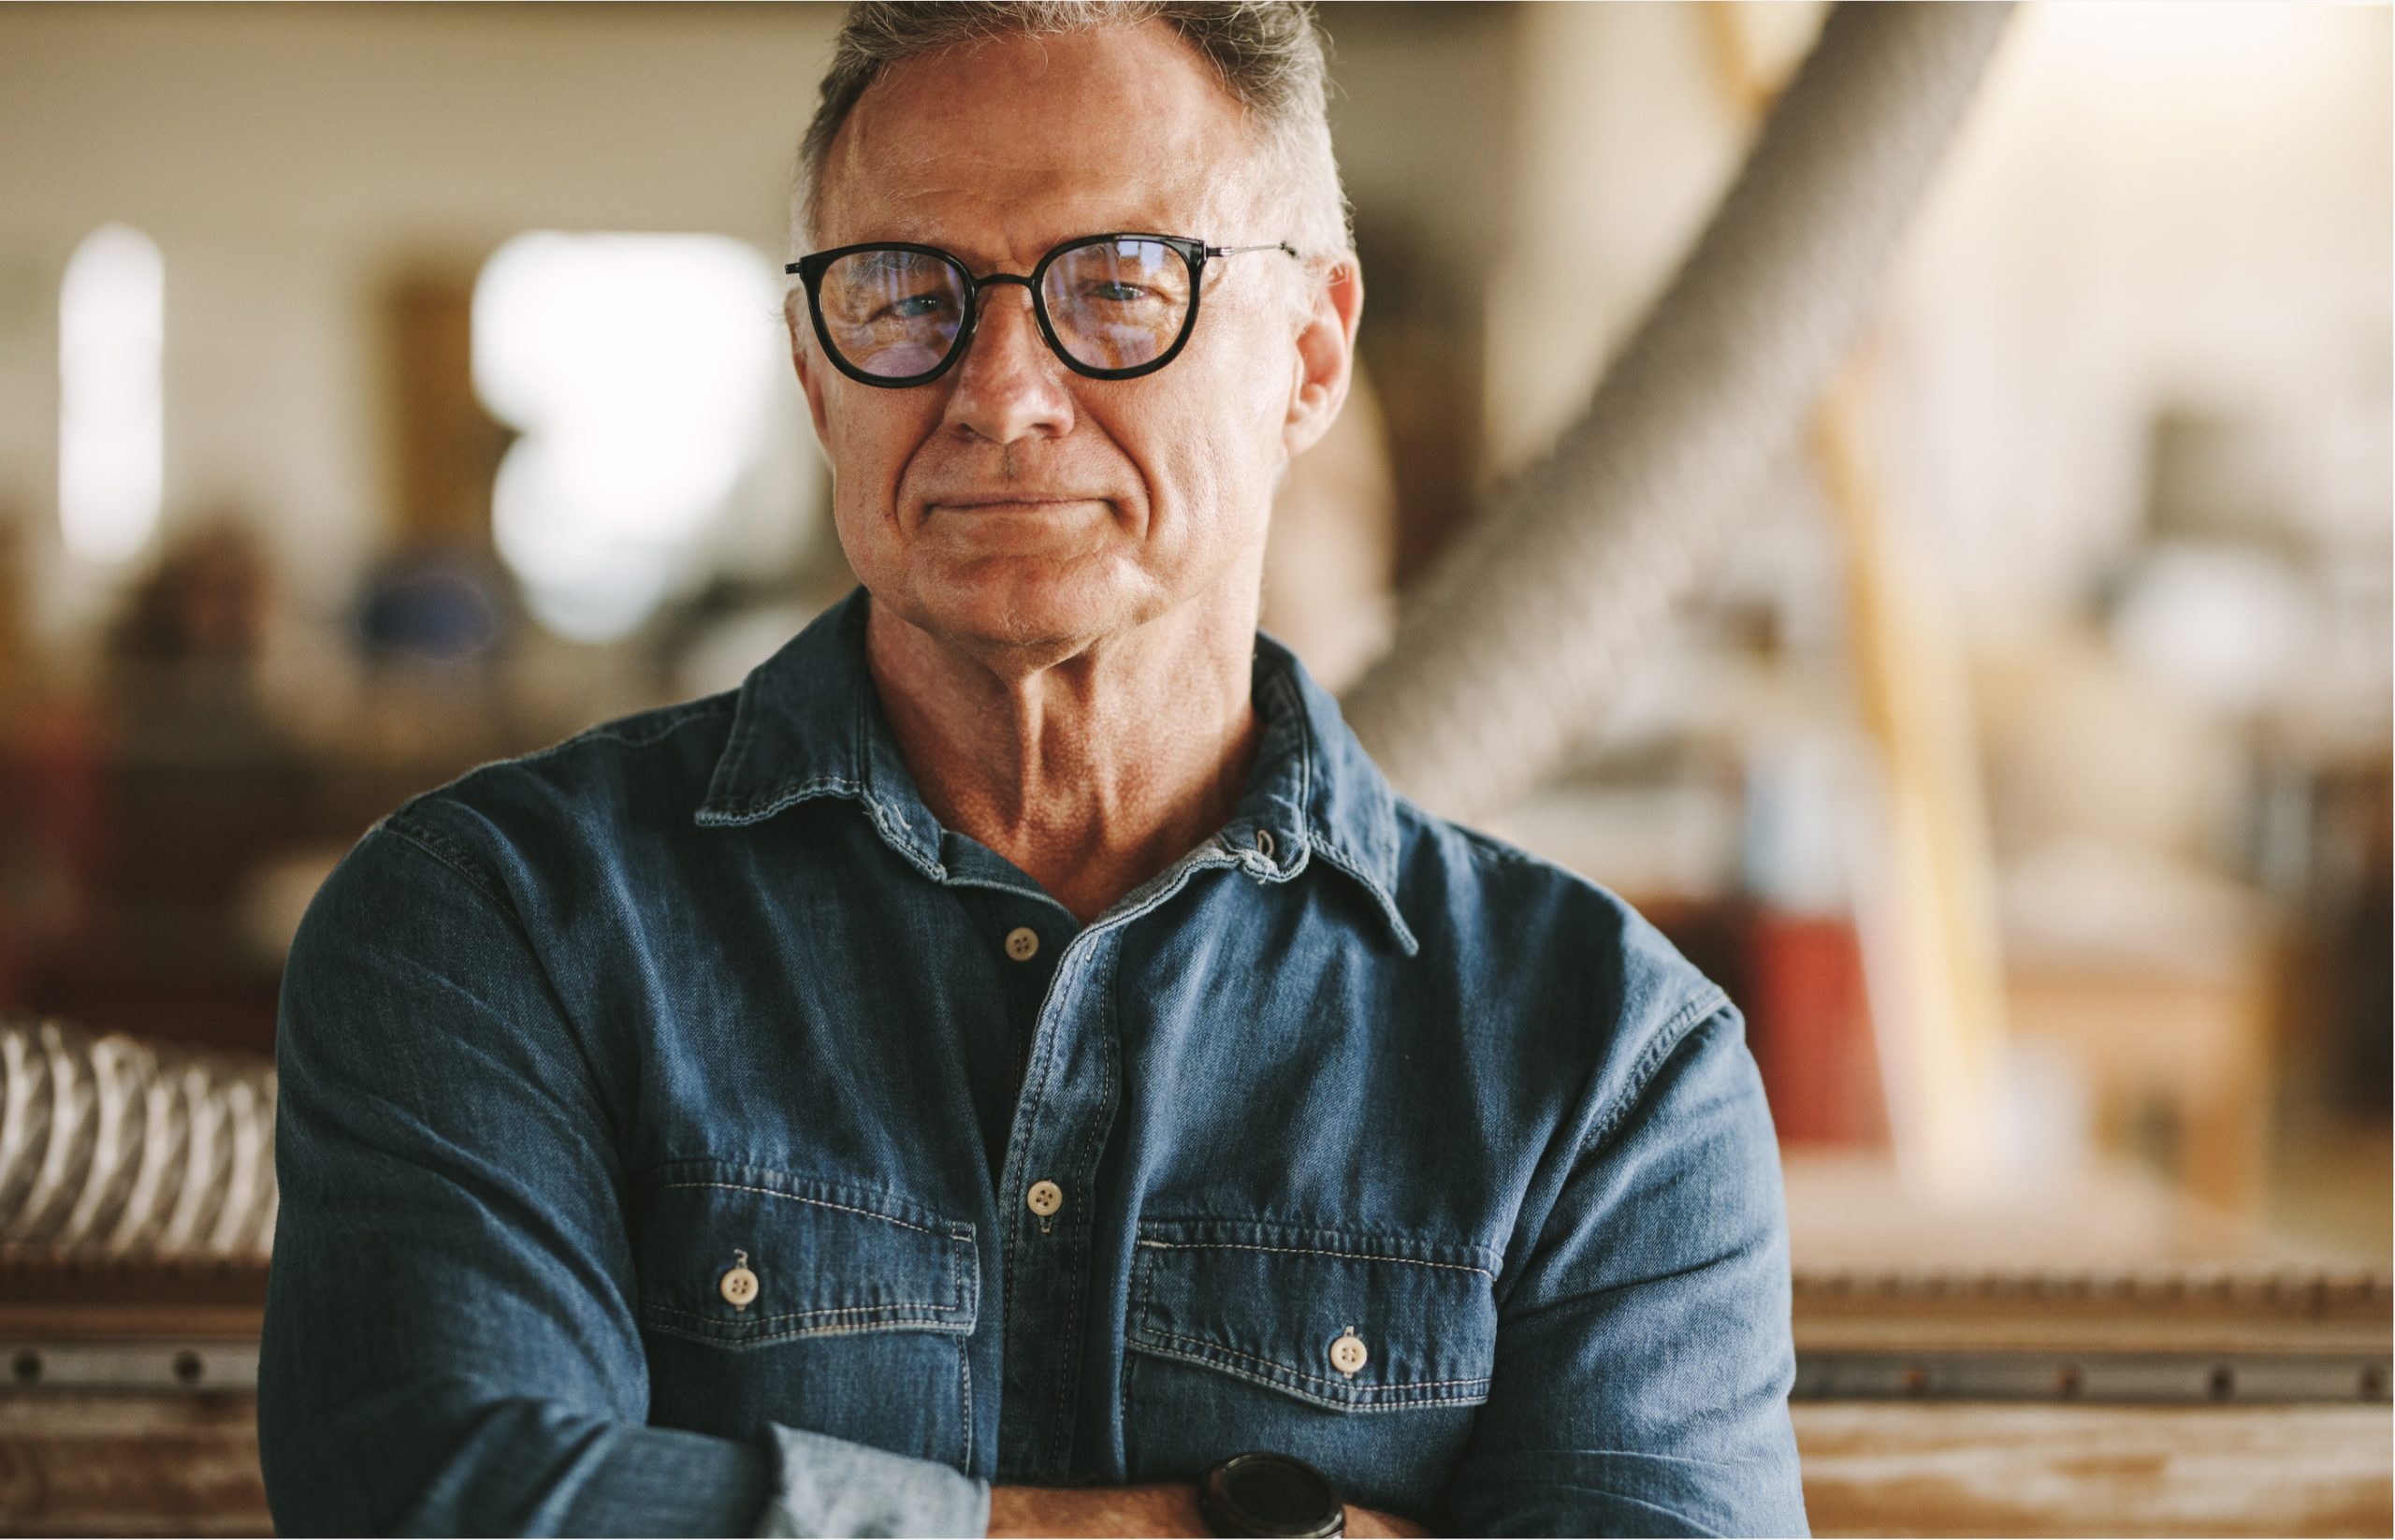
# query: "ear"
802,357
1326,354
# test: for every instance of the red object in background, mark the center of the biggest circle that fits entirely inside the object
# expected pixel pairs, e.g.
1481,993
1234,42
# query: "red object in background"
1798,981
119,881
1809,1026
53,830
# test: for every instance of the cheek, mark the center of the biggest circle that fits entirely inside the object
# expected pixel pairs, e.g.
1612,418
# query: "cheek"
871,444
1222,452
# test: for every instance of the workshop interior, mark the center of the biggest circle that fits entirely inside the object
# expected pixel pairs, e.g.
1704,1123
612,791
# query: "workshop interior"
1901,495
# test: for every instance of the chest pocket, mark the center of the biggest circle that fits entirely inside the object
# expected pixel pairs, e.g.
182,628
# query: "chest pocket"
770,1297
1245,1336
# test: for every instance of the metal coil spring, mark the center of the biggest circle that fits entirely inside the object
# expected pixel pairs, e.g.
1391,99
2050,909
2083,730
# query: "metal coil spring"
112,1145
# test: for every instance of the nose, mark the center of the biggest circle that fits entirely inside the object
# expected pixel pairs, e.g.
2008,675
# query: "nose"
1009,384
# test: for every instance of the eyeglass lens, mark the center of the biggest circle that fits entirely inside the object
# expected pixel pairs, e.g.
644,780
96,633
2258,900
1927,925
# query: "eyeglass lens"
1113,305
892,313
1117,304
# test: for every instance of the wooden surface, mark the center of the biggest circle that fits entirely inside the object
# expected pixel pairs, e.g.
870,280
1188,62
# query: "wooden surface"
1969,1468
2252,1310
173,1463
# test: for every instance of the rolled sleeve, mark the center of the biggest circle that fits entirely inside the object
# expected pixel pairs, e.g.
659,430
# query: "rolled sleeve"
833,1486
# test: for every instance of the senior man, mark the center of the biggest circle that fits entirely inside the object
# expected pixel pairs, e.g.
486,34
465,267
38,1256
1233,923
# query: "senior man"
1015,1062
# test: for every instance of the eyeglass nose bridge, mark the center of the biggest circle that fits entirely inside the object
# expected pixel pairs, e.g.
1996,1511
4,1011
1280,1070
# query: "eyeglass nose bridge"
973,315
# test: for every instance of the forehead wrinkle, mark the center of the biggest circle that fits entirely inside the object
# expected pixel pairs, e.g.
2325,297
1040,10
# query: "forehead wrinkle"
996,218
918,159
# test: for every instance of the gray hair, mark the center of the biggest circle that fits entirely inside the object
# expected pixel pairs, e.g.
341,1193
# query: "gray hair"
1268,53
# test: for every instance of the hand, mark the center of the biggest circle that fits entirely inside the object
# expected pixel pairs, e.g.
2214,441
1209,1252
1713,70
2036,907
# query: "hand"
1373,1522
1161,1508
1165,1507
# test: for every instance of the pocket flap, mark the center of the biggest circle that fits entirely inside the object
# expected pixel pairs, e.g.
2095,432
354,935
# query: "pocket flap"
1344,1321
823,1257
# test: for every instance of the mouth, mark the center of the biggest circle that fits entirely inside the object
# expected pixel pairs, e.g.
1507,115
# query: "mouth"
991,502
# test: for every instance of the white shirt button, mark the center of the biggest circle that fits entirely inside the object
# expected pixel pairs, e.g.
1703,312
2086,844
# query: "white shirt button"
739,1287
1044,1198
1348,1354
1023,943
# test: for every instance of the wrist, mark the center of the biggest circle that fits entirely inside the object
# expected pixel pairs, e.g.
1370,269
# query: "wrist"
1267,1495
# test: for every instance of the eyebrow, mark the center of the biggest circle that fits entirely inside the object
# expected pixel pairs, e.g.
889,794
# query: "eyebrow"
879,264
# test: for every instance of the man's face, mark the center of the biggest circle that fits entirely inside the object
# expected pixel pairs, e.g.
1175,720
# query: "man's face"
1013,503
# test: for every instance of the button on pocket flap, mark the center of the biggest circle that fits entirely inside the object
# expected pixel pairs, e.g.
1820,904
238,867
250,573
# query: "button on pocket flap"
1345,1320
740,1254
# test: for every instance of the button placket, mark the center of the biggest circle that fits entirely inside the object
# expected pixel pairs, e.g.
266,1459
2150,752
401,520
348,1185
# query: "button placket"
1068,1108
1065,1113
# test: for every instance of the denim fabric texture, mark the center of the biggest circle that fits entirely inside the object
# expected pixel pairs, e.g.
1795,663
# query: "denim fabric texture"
568,1045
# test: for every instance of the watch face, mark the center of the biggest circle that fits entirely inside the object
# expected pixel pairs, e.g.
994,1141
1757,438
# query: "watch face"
1268,1494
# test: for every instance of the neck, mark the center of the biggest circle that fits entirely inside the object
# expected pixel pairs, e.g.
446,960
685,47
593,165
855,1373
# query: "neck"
1092,772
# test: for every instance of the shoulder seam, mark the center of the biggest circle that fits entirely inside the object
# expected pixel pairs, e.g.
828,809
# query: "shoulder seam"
672,720
453,855
1692,1013
1513,855
1484,843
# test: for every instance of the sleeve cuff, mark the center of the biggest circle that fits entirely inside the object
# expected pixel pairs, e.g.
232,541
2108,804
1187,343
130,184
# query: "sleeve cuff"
831,1487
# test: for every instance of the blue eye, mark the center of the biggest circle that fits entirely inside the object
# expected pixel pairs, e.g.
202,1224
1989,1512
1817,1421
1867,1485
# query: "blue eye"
915,307
1117,294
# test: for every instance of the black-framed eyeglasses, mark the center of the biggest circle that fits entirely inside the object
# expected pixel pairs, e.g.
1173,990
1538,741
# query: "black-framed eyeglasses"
1114,307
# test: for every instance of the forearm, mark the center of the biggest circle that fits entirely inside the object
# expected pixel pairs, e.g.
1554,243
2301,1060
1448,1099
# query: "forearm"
1161,1508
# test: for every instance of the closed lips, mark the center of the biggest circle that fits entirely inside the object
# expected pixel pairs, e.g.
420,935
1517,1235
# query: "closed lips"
1018,499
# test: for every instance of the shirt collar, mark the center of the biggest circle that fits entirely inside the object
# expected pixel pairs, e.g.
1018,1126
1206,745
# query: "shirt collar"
808,723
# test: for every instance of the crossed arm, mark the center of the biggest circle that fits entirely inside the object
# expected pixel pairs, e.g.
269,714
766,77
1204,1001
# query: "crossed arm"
451,1346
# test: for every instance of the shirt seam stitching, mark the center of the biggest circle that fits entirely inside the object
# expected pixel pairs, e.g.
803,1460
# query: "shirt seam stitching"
817,1202
797,1333
453,855
1676,1030
1101,1117
1312,1251
1312,1397
1280,1367
932,1305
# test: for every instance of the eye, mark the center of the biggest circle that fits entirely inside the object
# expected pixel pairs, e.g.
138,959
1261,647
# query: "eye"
1117,294
915,307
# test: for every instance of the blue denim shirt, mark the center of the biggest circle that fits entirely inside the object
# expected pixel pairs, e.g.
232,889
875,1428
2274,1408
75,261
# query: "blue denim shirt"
680,1131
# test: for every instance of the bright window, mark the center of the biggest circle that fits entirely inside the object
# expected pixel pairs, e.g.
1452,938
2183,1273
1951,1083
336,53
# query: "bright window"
638,369
112,413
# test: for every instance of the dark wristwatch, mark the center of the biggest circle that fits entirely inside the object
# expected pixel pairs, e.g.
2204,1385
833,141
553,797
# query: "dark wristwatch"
1270,1494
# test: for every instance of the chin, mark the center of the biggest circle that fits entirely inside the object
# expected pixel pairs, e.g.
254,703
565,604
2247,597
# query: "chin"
1010,602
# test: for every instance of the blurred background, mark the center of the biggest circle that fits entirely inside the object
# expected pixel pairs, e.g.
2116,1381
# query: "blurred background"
385,390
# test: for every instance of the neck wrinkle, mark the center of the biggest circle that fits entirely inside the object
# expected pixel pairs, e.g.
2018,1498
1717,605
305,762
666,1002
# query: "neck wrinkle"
1092,773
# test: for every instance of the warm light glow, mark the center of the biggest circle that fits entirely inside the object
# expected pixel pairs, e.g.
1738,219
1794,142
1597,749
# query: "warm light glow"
638,369
111,413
